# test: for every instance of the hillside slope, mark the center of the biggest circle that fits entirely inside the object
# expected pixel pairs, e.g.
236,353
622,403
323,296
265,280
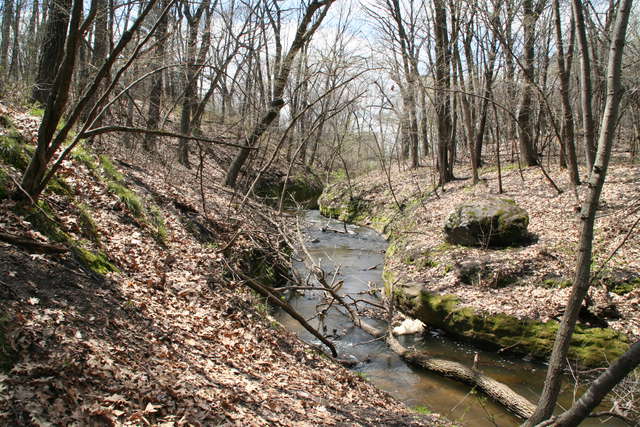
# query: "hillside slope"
529,284
140,321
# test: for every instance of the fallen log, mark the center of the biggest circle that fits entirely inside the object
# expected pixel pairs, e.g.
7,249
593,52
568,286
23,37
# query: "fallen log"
32,245
499,392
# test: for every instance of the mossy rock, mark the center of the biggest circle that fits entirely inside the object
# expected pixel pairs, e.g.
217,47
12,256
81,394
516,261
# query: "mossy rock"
590,347
488,222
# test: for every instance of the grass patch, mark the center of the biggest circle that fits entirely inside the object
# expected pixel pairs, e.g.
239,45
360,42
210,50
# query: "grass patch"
81,155
556,283
37,111
14,152
8,356
158,225
98,262
109,170
4,184
129,198
88,227
423,410
58,185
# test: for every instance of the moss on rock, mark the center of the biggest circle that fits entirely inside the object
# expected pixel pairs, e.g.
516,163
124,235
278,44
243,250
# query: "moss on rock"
590,347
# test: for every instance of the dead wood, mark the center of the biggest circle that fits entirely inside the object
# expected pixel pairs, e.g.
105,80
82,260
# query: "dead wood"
273,299
32,245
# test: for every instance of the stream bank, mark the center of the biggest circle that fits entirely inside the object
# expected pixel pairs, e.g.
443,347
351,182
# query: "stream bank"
358,255
516,310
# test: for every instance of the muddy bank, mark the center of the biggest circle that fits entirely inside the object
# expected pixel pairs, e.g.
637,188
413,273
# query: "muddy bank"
515,305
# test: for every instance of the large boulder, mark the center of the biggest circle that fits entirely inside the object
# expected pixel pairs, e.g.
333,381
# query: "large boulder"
488,222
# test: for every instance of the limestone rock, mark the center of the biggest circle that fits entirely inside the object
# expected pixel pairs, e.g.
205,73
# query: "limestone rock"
488,222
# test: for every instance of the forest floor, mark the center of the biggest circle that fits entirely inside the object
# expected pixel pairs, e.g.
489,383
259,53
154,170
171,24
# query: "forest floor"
141,321
531,281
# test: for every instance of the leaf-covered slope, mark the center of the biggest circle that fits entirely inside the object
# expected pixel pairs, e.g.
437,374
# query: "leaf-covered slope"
141,322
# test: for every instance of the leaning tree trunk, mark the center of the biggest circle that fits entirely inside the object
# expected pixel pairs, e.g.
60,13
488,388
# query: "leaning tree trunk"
599,388
581,281
303,35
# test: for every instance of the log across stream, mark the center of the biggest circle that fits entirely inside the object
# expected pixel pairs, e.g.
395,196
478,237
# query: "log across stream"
356,253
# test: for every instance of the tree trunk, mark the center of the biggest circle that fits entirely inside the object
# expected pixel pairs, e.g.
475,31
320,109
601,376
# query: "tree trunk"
443,81
581,281
52,50
7,18
155,94
599,388
567,112
586,91
525,109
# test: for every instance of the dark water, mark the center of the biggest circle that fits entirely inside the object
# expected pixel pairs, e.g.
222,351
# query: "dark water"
354,254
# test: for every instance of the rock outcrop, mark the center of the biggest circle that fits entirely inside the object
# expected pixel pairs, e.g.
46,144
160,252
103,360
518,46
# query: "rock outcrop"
488,222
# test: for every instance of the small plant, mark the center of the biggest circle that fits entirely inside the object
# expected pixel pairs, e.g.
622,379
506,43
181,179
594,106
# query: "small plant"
422,410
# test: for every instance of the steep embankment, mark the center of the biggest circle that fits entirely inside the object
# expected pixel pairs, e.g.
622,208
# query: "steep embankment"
512,297
122,307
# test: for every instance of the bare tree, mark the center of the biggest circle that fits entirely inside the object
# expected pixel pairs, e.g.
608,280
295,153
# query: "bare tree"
581,282
304,32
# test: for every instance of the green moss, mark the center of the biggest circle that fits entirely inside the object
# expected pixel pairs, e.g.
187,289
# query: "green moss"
14,152
129,198
87,225
97,261
109,170
556,283
37,111
590,347
422,410
158,226
4,184
43,219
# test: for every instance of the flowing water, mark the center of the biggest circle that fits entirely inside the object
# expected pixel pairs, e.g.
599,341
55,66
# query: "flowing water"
355,254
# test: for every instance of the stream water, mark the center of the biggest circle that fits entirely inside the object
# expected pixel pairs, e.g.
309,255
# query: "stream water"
354,254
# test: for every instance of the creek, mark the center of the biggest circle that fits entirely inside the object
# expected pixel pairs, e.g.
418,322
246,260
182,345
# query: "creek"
354,254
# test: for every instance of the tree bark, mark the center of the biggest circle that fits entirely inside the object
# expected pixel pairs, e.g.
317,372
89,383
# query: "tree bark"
52,50
567,111
586,91
155,94
525,109
581,282
443,81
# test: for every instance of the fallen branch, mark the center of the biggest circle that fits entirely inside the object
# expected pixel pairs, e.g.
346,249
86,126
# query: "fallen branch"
253,284
32,245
